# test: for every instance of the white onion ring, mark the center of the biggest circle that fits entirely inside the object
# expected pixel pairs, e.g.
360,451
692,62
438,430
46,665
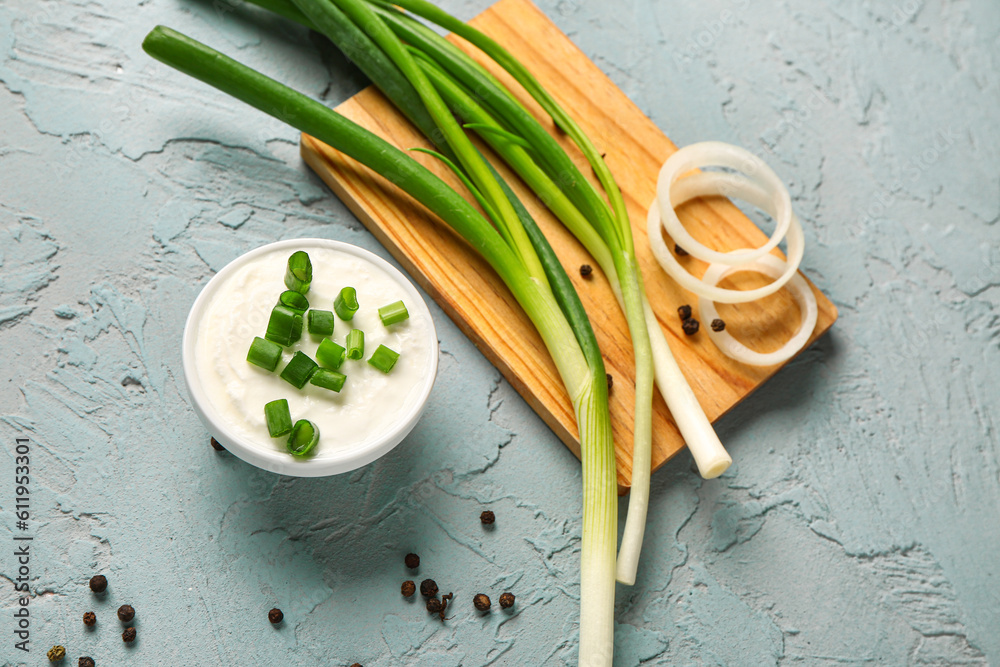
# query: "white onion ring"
711,183
772,267
719,154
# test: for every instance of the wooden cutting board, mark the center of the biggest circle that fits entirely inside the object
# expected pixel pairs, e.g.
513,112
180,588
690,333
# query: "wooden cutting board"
471,294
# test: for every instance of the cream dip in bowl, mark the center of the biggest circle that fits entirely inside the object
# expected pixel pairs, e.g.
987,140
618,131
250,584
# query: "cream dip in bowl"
371,414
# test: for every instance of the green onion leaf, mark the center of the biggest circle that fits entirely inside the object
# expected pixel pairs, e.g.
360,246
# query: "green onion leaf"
294,300
320,322
264,353
328,379
299,273
298,370
499,132
346,303
279,419
393,313
304,437
330,355
284,326
384,359
356,344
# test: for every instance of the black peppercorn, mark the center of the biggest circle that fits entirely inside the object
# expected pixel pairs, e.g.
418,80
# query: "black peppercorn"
129,635
89,618
586,270
487,517
690,326
684,312
506,600
275,616
718,325
126,613
428,588
679,251
56,653
435,606
86,662
99,583
611,381
408,589
481,602
216,446
412,561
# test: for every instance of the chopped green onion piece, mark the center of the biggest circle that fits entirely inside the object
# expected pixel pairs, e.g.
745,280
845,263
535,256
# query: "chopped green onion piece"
346,303
328,379
304,437
384,359
299,273
294,300
285,326
298,370
394,312
329,354
264,353
279,419
356,344
320,322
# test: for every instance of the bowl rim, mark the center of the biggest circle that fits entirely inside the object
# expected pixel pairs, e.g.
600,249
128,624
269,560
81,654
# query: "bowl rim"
275,460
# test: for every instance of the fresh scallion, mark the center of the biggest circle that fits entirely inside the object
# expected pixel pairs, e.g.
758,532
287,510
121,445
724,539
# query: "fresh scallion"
264,353
284,327
299,272
320,322
328,379
393,313
330,355
294,300
298,370
383,358
278,418
355,344
304,437
602,227
346,303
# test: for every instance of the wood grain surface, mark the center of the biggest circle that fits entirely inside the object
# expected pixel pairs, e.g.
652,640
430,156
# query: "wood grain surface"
473,296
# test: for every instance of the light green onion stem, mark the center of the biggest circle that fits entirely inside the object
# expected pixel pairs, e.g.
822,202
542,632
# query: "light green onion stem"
298,274
393,313
346,303
303,438
264,353
278,418
613,231
355,344
384,358
298,370
330,354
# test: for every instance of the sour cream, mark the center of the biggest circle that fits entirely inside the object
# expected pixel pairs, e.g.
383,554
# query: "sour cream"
371,408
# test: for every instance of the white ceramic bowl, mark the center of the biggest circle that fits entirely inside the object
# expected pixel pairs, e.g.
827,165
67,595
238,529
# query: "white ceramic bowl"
268,455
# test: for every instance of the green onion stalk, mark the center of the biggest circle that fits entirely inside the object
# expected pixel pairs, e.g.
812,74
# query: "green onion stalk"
605,242
507,240
603,228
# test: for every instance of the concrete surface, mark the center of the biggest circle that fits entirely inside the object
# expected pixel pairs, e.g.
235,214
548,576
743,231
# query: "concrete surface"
859,525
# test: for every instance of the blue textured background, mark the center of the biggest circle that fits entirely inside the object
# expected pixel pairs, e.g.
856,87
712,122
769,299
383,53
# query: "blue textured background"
858,526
